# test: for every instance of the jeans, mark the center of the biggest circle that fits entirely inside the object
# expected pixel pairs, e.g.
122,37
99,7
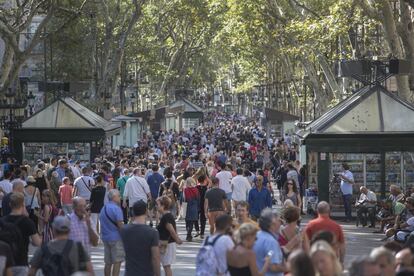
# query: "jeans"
347,206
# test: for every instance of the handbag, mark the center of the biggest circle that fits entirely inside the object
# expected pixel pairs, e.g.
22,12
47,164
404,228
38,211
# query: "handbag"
163,246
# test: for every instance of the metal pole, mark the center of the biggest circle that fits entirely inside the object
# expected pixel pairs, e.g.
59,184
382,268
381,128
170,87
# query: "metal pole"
306,105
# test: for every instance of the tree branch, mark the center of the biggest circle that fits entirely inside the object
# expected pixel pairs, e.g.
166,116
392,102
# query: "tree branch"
368,9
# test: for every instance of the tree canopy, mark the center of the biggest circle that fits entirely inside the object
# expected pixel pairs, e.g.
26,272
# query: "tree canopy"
287,49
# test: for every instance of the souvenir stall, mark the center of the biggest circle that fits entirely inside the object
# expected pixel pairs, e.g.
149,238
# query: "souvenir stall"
63,128
373,132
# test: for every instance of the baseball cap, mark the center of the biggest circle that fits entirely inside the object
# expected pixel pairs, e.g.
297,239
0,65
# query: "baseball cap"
61,224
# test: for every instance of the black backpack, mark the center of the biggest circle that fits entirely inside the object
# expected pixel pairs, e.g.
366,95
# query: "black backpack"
11,234
57,263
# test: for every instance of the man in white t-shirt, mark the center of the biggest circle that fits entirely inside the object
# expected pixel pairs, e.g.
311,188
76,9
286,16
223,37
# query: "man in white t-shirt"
241,187
83,185
136,188
224,178
224,243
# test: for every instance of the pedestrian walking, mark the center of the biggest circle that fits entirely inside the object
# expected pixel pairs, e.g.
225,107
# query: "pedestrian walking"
168,234
81,229
96,201
325,223
120,185
266,244
25,230
220,243
154,183
241,259
61,256
240,186
32,199
46,215
192,197
259,199
141,244
82,186
111,221
65,196
215,203
136,188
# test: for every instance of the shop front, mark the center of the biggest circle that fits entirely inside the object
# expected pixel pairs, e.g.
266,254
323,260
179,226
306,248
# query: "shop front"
62,129
373,132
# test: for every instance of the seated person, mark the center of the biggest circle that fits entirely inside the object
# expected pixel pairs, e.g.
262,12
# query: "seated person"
402,218
366,206
385,215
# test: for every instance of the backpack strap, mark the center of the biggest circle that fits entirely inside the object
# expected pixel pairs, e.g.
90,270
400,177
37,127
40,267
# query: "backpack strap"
213,241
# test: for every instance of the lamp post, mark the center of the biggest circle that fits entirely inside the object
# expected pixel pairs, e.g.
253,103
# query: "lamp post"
12,113
31,100
132,97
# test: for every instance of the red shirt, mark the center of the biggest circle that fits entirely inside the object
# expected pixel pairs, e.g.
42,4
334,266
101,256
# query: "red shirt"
65,192
324,223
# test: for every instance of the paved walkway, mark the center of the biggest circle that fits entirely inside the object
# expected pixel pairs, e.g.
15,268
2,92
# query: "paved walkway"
359,241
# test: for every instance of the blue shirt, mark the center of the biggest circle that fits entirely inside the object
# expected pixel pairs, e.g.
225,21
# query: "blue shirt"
346,188
110,232
258,200
266,242
154,182
61,172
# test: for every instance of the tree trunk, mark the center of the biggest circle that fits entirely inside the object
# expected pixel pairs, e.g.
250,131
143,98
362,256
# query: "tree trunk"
395,45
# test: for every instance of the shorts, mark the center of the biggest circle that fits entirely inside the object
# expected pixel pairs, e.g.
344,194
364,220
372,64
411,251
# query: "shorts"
169,257
114,252
228,195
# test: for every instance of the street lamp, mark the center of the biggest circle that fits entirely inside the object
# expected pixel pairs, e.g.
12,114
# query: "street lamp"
31,100
12,113
132,97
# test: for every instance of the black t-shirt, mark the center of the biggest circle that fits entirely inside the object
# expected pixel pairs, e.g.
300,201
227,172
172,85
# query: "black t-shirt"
215,198
202,189
138,240
162,227
7,261
27,229
97,199
5,205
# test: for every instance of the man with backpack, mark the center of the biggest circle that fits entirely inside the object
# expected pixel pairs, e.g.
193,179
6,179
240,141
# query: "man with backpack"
212,257
170,188
61,256
17,230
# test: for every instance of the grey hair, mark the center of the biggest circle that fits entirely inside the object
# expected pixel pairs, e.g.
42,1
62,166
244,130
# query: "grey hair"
17,183
378,252
266,218
75,201
357,267
112,193
323,207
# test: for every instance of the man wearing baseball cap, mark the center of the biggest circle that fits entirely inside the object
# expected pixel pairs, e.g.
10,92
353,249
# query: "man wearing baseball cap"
61,248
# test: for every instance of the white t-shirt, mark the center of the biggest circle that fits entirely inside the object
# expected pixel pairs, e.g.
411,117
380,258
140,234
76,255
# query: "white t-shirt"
224,178
84,185
241,188
136,188
221,246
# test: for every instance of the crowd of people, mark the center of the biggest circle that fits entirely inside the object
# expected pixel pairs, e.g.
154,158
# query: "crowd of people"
219,177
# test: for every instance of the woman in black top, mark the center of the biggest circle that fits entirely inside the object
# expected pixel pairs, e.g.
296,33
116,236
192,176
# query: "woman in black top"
96,201
168,234
241,260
